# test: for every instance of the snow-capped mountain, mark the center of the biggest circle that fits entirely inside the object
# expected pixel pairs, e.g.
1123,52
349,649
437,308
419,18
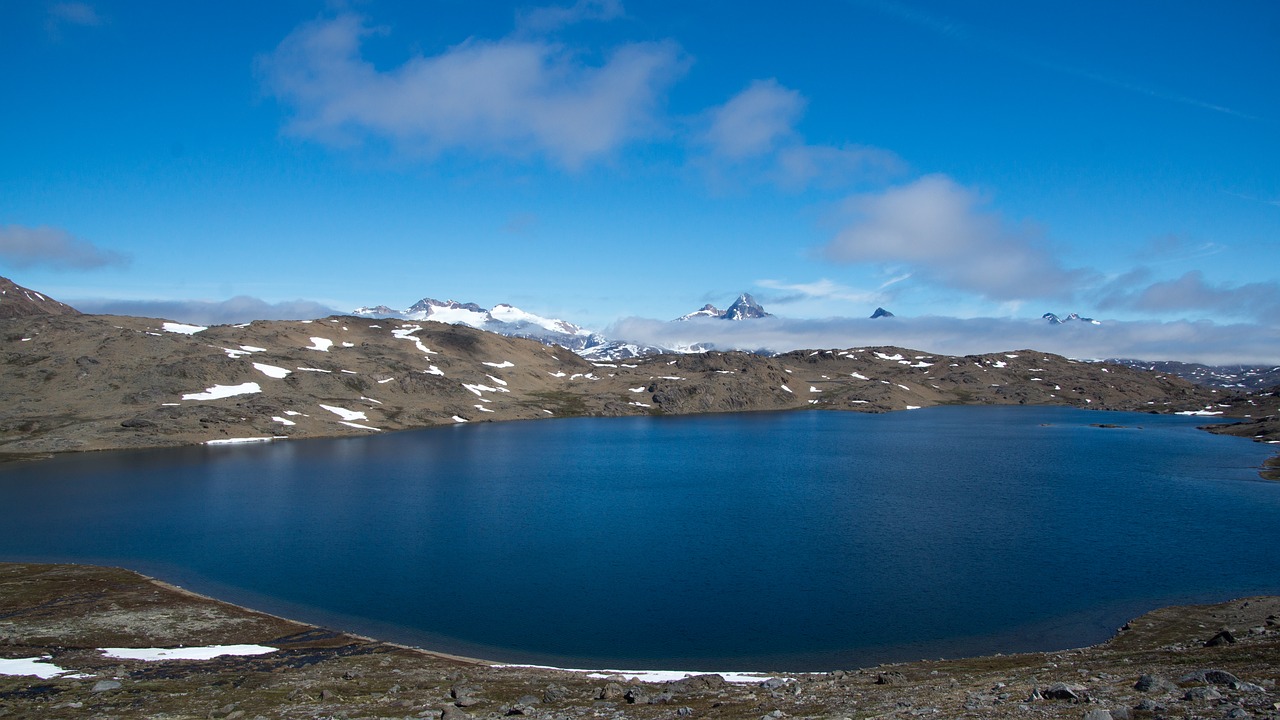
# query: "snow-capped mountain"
744,308
881,313
502,319
1055,320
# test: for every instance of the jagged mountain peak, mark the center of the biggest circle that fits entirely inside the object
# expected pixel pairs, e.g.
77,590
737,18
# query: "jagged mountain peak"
881,313
745,308
1055,320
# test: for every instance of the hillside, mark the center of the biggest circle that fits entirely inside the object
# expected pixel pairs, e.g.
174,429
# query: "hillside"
84,382
17,301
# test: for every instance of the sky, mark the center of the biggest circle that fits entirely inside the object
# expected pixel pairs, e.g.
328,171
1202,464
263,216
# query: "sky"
618,163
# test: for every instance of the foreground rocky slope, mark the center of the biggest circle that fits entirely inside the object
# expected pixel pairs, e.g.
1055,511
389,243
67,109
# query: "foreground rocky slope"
85,382
1214,661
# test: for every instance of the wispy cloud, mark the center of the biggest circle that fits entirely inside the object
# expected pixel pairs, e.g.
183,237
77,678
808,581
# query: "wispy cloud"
1192,293
204,312
754,135
823,289
1181,340
548,19
967,35
74,13
509,97
944,233
24,247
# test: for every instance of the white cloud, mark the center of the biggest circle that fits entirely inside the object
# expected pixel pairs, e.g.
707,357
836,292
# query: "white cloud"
1190,292
506,97
203,312
823,289
24,247
1182,340
754,121
547,19
754,135
942,232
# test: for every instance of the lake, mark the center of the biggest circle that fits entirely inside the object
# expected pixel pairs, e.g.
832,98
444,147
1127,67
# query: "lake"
784,541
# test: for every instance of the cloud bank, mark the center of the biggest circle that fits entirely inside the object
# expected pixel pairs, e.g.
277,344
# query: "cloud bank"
514,97
24,247
1203,342
944,232
238,309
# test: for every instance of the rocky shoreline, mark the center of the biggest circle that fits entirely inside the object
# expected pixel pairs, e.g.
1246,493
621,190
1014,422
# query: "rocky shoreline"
1211,661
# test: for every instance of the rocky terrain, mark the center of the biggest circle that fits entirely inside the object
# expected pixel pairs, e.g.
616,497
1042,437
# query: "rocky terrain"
69,623
88,382
17,301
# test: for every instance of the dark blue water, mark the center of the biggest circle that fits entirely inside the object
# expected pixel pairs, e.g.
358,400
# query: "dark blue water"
801,540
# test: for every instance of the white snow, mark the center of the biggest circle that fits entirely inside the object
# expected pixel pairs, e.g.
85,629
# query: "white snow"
350,372
224,391
206,652
894,356
1011,357
922,364
38,666
913,407
784,387
1198,412
348,344
346,414
369,399
503,364
405,332
670,377
482,408
321,344
433,370
182,329
252,348
999,364
282,421
556,374
859,376
381,382
655,676
813,389
636,390
480,389
271,370
314,370
239,441
459,419
904,387
359,426
500,382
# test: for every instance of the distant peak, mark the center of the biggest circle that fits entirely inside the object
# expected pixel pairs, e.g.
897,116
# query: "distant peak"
1073,317
745,308
881,313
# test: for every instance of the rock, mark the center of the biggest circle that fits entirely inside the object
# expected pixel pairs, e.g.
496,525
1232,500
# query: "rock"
105,685
611,691
1213,677
450,712
1150,707
519,709
636,696
555,694
773,683
527,700
1204,692
1063,691
1238,713
696,683
1098,715
1223,638
1248,687
1153,683
893,677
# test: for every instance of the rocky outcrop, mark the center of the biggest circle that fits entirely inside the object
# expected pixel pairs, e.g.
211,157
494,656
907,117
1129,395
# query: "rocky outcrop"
17,301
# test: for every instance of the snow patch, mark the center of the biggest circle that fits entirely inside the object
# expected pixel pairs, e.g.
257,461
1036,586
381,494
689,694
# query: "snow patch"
207,652
38,666
346,414
182,328
224,391
239,441
503,364
271,370
319,343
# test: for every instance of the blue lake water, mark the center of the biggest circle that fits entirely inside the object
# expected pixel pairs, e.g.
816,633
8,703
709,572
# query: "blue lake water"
801,540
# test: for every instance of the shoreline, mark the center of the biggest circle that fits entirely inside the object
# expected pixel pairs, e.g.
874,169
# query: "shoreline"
66,612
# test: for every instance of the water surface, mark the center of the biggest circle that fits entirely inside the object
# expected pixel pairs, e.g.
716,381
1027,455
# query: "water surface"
801,540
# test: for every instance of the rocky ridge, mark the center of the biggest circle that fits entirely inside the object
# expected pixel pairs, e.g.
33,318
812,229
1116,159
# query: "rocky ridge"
84,382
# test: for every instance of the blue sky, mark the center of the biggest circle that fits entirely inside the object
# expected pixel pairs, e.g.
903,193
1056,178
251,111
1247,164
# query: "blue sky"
604,161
